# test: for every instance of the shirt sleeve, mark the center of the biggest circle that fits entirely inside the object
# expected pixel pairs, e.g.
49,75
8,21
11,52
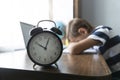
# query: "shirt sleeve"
101,33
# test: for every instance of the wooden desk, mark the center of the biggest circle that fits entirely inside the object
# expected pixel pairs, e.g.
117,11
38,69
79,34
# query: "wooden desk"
17,66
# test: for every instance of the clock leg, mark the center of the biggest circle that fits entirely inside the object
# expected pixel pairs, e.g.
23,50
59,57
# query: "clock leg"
56,65
34,67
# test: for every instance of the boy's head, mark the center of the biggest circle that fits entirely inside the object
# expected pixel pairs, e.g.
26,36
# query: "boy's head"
78,29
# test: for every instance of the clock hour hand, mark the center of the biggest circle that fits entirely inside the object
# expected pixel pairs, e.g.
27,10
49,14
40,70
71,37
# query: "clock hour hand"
40,45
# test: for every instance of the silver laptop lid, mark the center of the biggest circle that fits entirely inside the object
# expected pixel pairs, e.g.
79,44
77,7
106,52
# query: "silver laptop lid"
25,27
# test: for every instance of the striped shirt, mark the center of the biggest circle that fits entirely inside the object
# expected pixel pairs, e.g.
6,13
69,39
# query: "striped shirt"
110,47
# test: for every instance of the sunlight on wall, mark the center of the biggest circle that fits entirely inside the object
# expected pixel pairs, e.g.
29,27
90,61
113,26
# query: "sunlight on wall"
63,10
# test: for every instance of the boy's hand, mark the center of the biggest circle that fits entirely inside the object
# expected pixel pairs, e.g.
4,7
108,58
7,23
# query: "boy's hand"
71,48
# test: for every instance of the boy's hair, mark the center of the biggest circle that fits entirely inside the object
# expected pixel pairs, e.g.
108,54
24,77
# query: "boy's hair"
75,24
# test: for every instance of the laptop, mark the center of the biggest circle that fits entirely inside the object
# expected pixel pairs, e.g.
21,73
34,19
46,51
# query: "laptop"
25,27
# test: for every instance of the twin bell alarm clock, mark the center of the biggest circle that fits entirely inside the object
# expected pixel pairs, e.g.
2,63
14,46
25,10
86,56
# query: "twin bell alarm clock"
44,47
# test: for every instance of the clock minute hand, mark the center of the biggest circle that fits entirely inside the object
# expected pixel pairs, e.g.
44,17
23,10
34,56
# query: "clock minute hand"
47,43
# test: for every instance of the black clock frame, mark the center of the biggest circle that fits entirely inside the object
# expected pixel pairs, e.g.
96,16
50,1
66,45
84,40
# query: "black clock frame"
28,52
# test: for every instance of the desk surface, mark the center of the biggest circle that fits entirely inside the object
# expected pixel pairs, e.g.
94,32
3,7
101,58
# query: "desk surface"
87,65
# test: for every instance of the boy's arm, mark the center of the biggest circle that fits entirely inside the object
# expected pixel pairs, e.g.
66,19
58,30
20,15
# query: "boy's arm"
77,47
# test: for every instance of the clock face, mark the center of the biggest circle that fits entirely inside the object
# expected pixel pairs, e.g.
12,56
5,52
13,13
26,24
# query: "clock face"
44,48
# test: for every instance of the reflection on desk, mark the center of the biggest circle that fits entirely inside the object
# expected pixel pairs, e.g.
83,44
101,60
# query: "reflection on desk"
70,67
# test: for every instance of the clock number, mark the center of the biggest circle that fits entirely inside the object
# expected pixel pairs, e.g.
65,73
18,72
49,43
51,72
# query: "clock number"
55,42
55,53
45,59
34,54
50,57
39,58
40,38
57,47
46,37
33,48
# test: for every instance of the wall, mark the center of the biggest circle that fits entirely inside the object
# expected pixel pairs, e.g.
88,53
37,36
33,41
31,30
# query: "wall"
102,12
63,10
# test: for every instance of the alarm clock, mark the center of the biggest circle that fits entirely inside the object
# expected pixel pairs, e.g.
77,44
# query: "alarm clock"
44,47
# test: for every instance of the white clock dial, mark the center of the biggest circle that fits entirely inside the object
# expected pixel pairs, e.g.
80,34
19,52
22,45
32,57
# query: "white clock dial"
44,48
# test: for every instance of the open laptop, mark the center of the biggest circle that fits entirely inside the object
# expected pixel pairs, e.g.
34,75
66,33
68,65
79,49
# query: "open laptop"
25,27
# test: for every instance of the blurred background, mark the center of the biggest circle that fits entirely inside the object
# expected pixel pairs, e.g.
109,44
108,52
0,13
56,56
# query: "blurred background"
12,12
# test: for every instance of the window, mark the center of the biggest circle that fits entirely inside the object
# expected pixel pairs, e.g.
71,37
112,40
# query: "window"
29,11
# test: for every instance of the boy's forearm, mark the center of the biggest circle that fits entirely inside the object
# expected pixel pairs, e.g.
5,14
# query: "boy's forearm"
78,47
